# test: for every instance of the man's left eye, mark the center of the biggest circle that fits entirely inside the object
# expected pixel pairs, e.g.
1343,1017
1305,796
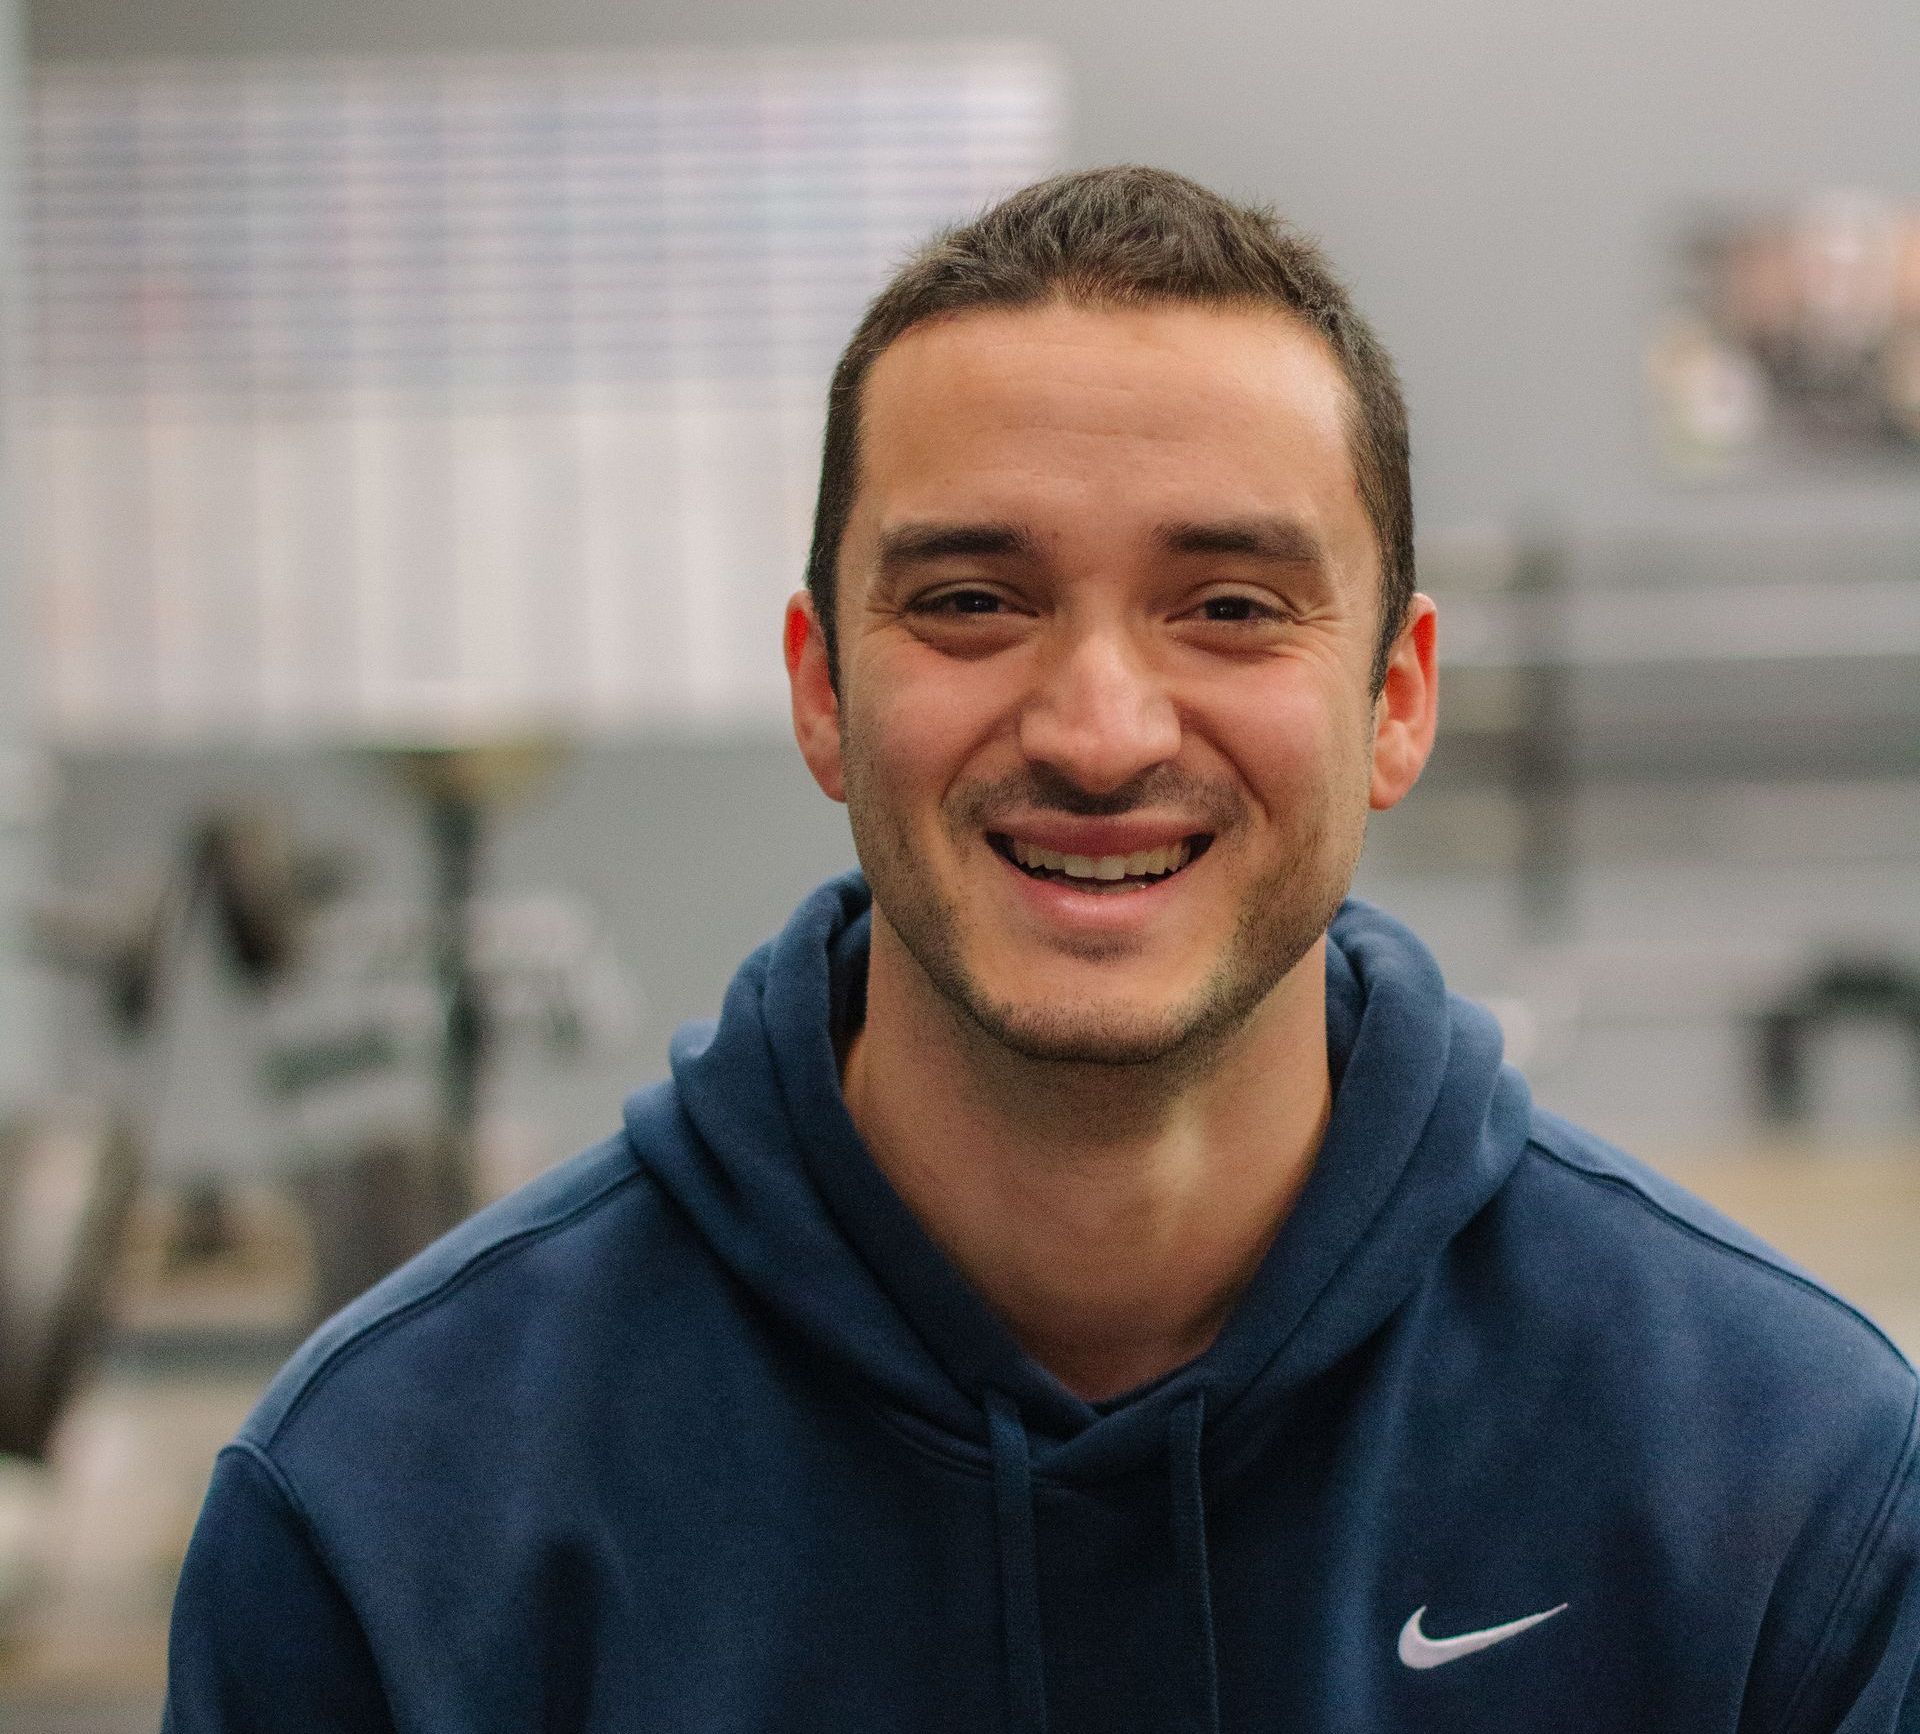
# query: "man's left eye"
1232,609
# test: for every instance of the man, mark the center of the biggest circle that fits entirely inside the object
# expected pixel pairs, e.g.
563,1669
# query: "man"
1077,1287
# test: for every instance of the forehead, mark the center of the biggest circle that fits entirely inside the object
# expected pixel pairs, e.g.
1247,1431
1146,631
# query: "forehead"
1163,409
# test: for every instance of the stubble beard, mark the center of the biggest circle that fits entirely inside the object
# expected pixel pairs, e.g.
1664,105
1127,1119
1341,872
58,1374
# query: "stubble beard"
1281,918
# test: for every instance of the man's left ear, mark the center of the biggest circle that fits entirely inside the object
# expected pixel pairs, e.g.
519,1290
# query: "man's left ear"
1404,714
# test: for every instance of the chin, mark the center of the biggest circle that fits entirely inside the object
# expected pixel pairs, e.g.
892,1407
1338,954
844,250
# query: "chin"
1075,1032
1073,1038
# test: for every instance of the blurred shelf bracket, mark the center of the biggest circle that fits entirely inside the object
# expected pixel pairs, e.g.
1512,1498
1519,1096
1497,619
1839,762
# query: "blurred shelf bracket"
1573,660
1840,991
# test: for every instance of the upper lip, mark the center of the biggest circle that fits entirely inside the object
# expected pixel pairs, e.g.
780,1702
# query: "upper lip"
1094,837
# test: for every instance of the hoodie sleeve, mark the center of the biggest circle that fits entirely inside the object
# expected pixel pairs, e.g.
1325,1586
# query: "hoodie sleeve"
263,1641
1868,1679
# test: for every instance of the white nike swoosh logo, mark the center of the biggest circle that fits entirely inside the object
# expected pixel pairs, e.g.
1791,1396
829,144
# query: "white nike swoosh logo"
1418,1650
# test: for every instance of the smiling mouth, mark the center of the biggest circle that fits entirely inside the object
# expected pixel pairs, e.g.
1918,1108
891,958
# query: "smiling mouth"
1102,873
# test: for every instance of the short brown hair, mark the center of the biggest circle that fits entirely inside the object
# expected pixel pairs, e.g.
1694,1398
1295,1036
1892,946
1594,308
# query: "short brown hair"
1129,237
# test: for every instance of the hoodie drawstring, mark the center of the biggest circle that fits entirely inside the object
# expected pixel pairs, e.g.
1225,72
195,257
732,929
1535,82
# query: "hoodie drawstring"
1020,1562
1190,1550
1019,1568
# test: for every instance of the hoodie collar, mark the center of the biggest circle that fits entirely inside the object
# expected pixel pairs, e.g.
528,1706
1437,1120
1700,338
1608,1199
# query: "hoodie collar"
755,1141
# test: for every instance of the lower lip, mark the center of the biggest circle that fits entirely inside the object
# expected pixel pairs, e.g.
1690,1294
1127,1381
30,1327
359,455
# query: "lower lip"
1061,904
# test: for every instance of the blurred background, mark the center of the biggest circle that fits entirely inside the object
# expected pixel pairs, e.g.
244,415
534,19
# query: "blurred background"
410,426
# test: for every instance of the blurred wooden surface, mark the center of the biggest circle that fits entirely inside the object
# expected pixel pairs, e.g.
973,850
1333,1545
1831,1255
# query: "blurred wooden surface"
1849,1213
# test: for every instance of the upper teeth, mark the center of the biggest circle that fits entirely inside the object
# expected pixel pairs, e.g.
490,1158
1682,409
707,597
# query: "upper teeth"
1146,864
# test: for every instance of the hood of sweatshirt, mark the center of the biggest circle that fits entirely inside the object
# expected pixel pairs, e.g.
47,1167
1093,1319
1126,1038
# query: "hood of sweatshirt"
1426,1126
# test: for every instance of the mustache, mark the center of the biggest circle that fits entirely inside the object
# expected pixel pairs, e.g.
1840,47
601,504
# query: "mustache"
1042,789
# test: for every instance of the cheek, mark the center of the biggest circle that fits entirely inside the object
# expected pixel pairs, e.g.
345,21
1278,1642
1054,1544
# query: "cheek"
1286,739
906,739
923,732
903,751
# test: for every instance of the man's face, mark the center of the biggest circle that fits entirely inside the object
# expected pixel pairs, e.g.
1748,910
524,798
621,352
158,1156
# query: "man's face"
1108,602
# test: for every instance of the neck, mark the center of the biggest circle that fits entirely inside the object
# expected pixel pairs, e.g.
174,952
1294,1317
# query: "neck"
1110,1215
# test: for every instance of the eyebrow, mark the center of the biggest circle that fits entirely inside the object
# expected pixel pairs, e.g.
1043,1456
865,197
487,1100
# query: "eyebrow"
1281,540
909,545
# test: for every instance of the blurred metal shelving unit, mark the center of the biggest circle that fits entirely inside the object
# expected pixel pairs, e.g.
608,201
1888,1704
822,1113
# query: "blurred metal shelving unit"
1570,666
1589,679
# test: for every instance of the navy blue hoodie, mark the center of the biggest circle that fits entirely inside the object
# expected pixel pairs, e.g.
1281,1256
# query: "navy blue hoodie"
701,1434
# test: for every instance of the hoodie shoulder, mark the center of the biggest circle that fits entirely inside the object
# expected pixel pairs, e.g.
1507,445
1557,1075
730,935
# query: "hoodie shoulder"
556,1221
1736,1385
1655,1232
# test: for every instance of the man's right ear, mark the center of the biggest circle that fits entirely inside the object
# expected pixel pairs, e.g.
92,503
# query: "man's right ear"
816,707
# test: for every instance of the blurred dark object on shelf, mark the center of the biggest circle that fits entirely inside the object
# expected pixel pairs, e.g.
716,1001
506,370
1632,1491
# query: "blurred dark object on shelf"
369,1032
67,1181
67,1185
462,788
370,1211
240,864
203,1227
498,970
1842,990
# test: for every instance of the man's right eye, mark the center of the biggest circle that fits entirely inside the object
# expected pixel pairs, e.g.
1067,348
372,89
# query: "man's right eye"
960,602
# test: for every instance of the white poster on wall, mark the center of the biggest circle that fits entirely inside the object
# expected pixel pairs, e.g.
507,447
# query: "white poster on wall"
435,398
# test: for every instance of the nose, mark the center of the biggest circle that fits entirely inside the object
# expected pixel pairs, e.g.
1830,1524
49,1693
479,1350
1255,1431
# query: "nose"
1098,714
